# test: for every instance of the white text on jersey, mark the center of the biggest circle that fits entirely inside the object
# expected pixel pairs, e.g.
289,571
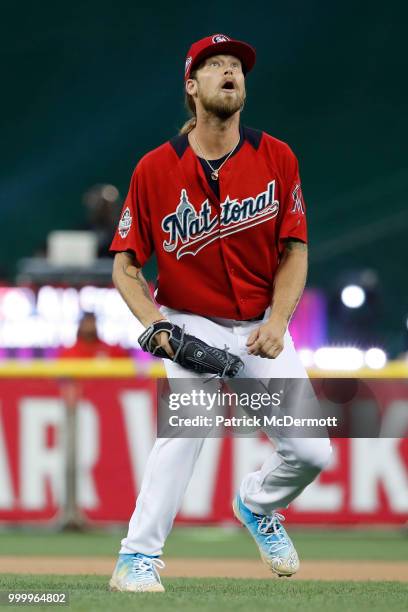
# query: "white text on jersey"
189,231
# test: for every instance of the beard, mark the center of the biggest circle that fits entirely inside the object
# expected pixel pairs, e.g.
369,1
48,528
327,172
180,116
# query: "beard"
222,106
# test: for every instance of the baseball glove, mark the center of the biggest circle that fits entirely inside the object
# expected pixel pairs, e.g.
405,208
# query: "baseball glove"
190,352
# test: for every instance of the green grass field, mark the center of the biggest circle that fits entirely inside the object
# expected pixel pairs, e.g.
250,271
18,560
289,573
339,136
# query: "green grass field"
89,593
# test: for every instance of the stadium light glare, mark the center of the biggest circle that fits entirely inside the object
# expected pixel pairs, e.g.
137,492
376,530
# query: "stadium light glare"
17,304
353,296
306,357
339,358
375,358
49,302
109,193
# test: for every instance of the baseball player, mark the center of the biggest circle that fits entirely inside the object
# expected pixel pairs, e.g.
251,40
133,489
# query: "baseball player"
221,206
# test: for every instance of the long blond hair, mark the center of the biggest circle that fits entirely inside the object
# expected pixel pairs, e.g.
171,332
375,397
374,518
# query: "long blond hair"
191,109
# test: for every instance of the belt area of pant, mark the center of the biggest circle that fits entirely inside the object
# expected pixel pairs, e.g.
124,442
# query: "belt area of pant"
258,318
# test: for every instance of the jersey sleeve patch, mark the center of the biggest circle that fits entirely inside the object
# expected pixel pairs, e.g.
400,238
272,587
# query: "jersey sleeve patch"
297,198
125,223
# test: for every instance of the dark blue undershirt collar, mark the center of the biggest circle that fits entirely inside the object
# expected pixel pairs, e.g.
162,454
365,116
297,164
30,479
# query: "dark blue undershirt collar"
180,144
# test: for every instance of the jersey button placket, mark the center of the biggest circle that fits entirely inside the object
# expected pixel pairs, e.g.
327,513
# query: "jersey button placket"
224,176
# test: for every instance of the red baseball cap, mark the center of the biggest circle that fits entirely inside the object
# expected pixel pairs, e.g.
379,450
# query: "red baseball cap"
217,44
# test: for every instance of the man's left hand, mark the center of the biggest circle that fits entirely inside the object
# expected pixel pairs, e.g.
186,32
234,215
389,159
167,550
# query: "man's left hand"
267,340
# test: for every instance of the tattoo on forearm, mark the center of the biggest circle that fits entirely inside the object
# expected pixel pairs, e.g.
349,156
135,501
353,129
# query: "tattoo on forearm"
289,307
137,275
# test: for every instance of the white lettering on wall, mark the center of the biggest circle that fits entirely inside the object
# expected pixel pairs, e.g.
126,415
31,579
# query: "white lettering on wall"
88,443
140,430
376,461
6,489
41,466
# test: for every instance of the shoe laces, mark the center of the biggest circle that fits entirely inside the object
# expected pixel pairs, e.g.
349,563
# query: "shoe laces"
147,565
277,538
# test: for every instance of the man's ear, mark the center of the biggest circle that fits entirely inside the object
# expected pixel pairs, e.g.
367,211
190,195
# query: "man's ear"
191,87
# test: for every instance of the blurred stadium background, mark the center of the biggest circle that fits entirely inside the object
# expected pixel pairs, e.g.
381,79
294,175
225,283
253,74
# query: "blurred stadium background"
90,88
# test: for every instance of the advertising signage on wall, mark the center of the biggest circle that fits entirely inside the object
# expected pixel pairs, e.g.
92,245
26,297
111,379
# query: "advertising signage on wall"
366,481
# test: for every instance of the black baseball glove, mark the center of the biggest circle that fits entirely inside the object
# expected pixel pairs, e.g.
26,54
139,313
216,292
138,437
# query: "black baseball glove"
190,352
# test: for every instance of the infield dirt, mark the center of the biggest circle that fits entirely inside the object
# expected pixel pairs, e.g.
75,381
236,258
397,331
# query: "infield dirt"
209,568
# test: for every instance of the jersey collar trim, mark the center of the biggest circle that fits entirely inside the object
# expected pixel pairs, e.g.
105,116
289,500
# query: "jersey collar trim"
180,143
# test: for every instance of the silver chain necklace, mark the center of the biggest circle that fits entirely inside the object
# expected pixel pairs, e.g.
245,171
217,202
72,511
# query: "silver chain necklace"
215,171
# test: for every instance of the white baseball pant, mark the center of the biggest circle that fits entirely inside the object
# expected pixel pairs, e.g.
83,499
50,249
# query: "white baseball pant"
292,465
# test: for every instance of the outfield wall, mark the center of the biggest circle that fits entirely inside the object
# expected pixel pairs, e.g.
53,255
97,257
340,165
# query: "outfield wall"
367,481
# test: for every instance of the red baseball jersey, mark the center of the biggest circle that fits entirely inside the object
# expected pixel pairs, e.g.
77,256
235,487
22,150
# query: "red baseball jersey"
217,249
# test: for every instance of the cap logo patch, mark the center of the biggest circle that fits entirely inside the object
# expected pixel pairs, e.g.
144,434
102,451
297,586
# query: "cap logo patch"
188,64
125,223
218,38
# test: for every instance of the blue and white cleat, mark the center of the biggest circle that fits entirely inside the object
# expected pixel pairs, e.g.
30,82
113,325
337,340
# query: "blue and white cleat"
137,573
276,547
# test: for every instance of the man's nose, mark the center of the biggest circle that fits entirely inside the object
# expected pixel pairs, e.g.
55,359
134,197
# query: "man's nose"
228,70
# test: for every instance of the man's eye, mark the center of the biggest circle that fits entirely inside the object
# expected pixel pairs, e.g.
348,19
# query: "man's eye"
215,63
